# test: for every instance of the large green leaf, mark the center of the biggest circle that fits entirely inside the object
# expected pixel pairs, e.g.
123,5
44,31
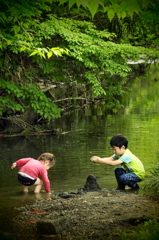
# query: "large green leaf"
111,14
93,7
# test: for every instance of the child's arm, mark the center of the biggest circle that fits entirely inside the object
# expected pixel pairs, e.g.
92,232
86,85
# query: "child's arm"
46,181
20,162
108,161
13,165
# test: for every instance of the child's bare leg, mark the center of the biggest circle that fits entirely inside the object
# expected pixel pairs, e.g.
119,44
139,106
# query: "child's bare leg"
25,189
38,185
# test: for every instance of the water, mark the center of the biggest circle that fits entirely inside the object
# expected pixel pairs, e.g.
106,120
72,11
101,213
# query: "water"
85,133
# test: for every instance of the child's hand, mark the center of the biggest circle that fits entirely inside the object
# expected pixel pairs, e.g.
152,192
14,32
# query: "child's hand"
48,195
94,159
13,165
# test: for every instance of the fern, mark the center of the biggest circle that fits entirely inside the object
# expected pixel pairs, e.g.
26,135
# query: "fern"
149,230
152,186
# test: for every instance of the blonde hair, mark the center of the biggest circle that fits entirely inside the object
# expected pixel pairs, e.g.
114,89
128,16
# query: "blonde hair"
47,156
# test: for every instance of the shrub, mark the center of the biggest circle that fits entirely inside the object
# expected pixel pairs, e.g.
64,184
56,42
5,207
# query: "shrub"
152,186
148,231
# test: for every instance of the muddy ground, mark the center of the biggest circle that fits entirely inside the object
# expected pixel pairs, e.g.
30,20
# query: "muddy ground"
85,214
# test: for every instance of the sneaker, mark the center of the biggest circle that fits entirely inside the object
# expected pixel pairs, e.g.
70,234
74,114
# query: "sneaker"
120,188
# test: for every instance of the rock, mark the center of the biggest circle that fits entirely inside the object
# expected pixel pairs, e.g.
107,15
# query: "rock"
51,227
91,184
46,227
66,195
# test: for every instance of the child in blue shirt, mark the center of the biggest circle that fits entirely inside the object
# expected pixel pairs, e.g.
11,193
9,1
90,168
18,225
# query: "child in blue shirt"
132,170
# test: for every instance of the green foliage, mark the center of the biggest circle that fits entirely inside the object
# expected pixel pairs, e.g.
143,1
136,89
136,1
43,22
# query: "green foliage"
92,57
152,186
142,30
22,37
8,92
17,98
96,87
62,49
43,52
149,230
40,103
112,7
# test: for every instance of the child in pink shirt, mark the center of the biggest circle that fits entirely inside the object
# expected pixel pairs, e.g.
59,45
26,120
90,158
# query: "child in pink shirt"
31,169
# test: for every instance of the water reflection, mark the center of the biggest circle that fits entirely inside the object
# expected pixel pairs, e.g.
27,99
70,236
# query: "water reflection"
86,133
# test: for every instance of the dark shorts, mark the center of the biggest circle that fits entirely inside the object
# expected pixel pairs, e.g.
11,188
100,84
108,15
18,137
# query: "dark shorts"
26,180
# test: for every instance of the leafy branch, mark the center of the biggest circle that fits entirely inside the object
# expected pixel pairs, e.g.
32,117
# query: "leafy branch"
112,7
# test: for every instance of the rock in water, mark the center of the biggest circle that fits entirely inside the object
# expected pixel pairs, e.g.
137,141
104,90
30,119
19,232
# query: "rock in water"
91,184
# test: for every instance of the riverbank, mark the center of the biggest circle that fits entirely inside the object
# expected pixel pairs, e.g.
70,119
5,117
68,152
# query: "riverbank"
83,215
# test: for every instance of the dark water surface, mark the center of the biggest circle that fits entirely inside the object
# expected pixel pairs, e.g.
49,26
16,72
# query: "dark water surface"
85,133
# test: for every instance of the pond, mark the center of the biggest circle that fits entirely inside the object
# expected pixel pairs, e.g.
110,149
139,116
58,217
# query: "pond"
85,133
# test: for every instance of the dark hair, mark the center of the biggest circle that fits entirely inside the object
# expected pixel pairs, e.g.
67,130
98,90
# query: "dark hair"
119,141
47,156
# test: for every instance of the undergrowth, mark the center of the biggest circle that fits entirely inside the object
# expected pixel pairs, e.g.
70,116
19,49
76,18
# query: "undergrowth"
148,231
152,185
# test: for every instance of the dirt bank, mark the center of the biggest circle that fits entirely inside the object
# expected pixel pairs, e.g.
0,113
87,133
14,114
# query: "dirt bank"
80,215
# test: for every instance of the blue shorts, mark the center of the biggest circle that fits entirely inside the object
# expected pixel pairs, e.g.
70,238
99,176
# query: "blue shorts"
26,180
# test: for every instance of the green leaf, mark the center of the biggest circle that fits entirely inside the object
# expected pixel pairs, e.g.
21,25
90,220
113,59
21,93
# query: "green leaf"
16,29
131,13
49,54
57,52
93,7
71,3
3,17
33,53
42,55
111,14
106,9
123,14
54,48
66,51
63,1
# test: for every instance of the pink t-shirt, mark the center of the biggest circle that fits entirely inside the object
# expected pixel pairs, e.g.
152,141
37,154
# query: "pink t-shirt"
34,168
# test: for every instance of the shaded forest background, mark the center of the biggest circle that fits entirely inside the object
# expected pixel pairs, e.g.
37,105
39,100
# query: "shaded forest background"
56,55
